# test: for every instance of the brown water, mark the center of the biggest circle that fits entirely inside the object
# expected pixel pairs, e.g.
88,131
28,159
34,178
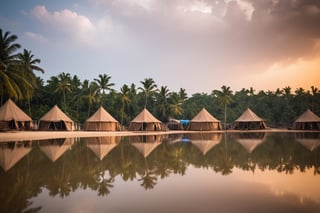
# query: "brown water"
258,172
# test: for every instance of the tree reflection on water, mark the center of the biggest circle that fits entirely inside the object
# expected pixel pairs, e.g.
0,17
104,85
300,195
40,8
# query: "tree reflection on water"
78,167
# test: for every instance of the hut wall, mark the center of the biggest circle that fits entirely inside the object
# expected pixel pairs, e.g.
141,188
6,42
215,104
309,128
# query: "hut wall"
144,127
204,126
101,126
250,125
52,125
307,125
15,125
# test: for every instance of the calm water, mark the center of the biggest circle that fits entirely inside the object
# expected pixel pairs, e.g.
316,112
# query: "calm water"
257,172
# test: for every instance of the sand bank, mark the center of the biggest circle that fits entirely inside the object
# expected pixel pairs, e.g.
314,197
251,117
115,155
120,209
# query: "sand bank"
41,135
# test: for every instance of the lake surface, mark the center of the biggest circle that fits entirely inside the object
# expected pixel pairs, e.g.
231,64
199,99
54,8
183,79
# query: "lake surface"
208,172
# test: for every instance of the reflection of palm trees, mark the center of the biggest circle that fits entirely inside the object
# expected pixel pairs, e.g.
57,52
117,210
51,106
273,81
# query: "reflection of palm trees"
149,178
104,184
126,168
225,163
178,165
60,184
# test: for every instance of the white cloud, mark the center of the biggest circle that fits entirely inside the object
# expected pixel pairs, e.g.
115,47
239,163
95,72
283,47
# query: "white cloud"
197,6
245,7
76,28
66,22
35,37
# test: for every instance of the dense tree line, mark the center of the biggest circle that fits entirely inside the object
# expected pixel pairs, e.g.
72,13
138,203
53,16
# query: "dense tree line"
80,98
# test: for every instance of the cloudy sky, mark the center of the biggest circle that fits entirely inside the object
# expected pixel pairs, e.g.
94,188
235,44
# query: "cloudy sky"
198,45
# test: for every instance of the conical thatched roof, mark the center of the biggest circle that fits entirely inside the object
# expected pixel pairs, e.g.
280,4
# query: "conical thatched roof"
101,115
55,115
145,117
204,116
248,116
308,116
10,111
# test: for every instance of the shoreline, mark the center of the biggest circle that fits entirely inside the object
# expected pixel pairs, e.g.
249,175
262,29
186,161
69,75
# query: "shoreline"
43,135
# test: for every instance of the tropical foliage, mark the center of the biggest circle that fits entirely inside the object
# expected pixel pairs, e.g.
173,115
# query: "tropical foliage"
80,98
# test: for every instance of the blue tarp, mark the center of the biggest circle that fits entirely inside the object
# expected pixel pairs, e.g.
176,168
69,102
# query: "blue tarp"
184,122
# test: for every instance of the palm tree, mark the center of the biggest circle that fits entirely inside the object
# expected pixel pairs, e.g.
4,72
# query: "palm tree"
225,98
103,82
175,103
183,95
61,84
90,93
125,99
162,103
314,98
149,88
28,64
9,77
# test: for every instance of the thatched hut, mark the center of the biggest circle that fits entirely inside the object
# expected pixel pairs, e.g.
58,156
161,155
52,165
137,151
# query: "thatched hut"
249,121
101,120
145,121
55,119
307,121
204,121
13,118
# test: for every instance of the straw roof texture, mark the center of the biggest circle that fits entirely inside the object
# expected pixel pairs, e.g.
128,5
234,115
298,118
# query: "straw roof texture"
145,117
10,111
248,116
55,115
204,116
308,116
101,115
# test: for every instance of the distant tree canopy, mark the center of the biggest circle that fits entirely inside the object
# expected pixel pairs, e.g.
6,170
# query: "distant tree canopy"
79,99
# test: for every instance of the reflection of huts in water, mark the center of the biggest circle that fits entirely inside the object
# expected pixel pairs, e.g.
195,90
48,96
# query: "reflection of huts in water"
12,152
174,124
13,118
204,121
145,121
101,146
250,140
55,148
205,141
55,119
307,121
310,140
145,144
249,121
174,138
101,120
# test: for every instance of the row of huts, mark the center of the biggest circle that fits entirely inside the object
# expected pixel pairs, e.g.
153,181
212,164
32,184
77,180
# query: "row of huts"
12,117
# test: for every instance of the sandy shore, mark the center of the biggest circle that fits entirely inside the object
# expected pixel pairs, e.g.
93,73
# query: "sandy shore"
41,135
